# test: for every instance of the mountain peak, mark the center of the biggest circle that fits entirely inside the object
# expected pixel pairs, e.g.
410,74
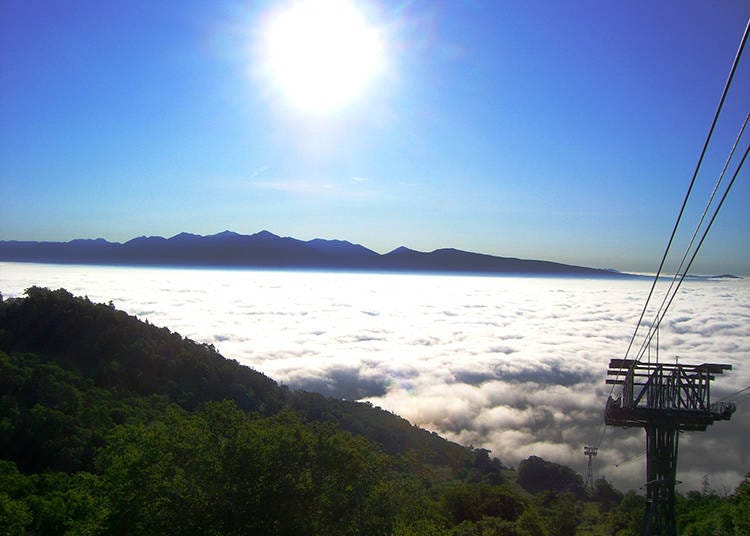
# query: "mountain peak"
185,236
264,234
401,250
225,234
143,239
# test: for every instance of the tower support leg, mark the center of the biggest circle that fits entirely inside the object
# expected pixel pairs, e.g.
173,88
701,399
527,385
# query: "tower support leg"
661,472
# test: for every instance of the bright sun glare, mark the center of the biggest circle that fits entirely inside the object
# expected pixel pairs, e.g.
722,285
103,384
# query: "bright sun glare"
321,54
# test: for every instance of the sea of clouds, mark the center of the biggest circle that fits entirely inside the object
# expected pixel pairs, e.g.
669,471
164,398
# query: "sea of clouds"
513,364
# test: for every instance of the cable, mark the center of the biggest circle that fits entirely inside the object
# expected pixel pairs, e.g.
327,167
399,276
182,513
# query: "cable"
668,298
631,459
659,314
746,396
735,394
682,210
655,324
601,437
708,228
692,180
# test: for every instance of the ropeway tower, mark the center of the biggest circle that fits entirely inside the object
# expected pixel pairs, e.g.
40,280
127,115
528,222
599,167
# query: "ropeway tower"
665,399
590,452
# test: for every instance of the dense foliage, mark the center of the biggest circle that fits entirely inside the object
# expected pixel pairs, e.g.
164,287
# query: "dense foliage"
536,475
111,426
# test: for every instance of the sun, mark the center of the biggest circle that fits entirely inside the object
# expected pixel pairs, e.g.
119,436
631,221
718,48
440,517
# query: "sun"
321,54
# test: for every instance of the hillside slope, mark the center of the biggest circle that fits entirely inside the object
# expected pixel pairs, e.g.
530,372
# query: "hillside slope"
118,351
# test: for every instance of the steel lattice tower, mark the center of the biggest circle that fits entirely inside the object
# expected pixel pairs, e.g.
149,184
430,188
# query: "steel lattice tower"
590,452
665,399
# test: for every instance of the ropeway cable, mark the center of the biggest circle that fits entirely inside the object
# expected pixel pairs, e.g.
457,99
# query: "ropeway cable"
662,310
736,394
667,301
685,200
631,459
692,181
708,228
692,258
695,252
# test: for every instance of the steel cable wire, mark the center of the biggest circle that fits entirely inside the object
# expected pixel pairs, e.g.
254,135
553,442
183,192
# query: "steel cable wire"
684,204
661,310
708,228
731,396
692,180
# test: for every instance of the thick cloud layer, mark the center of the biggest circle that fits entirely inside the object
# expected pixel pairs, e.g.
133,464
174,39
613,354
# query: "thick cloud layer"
515,365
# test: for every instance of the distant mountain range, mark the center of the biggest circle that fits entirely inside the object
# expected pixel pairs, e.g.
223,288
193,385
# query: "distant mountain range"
267,250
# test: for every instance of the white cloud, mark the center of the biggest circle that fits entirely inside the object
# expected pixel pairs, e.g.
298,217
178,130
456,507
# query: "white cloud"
511,364
302,186
352,188
258,172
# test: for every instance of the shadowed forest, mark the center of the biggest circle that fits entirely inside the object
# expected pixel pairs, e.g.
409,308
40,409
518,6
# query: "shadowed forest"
109,425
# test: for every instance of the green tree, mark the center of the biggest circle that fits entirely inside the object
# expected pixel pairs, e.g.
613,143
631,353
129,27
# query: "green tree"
626,519
537,475
474,501
741,507
606,495
561,511
219,470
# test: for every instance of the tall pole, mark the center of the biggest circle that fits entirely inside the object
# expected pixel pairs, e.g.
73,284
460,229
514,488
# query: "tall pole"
590,452
661,477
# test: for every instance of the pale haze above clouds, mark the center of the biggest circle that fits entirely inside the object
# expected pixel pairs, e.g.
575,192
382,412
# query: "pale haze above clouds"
512,364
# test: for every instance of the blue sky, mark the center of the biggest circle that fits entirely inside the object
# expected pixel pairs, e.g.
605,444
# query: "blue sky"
565,131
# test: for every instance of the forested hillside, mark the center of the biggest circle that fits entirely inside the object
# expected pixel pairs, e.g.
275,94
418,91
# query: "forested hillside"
109,425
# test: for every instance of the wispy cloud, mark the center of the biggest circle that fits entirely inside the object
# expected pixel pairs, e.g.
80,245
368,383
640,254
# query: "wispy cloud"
302,186
517,366
348,188
258,172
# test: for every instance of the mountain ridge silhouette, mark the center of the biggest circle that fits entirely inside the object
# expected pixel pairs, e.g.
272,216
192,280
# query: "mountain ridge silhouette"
265,249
